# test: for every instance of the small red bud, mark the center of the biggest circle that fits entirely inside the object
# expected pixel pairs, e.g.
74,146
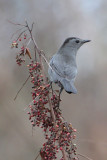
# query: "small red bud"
68,134
57,126
74,130
60,148
33,123
74,136
34,101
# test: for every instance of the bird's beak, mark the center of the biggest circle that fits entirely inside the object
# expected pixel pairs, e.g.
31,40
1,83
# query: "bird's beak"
85,41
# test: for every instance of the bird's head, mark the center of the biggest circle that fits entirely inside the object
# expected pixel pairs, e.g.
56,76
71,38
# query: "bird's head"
74,43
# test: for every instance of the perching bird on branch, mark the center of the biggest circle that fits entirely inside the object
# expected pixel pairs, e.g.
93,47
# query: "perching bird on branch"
63,67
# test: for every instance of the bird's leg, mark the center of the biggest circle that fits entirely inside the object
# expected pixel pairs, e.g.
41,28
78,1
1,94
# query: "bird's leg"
51,87
60,91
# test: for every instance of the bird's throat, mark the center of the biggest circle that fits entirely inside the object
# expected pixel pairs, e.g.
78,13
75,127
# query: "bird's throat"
68,55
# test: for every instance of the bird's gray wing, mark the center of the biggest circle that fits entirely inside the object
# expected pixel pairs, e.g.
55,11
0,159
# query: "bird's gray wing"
64,74
57,68
54,70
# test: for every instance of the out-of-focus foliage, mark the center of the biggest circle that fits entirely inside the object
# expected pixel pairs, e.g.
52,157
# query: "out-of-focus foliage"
55,20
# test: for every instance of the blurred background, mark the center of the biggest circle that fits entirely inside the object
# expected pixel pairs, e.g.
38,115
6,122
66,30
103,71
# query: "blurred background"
55,20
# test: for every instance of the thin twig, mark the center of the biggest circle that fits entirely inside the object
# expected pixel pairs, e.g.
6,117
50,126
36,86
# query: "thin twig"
27,45
32,26
18,24
17,32
37,156
21,87
21,34
35,54
30,31
84,156
46,60
28,42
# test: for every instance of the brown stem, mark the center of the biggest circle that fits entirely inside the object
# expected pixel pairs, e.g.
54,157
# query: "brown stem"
21,87
37,156
63,153
50,105
17,31
17,24
20,35
84,156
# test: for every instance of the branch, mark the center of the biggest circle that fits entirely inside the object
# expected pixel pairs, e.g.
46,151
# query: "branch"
84,156
37,156
18,24
21,87
20,35
17,31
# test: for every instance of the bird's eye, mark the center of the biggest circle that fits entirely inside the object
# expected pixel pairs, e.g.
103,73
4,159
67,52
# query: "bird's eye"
77,41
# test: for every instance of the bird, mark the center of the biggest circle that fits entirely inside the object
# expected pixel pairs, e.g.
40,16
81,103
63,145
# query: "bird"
63,67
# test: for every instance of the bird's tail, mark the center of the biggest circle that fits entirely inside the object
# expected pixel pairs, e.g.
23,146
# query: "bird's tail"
68,86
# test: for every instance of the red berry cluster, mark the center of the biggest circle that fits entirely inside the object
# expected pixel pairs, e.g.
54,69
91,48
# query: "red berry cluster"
65,138
20,55
49,150
25,36
39,110
19,59
58,135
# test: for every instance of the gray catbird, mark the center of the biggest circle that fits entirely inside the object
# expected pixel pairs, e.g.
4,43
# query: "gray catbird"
63,67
